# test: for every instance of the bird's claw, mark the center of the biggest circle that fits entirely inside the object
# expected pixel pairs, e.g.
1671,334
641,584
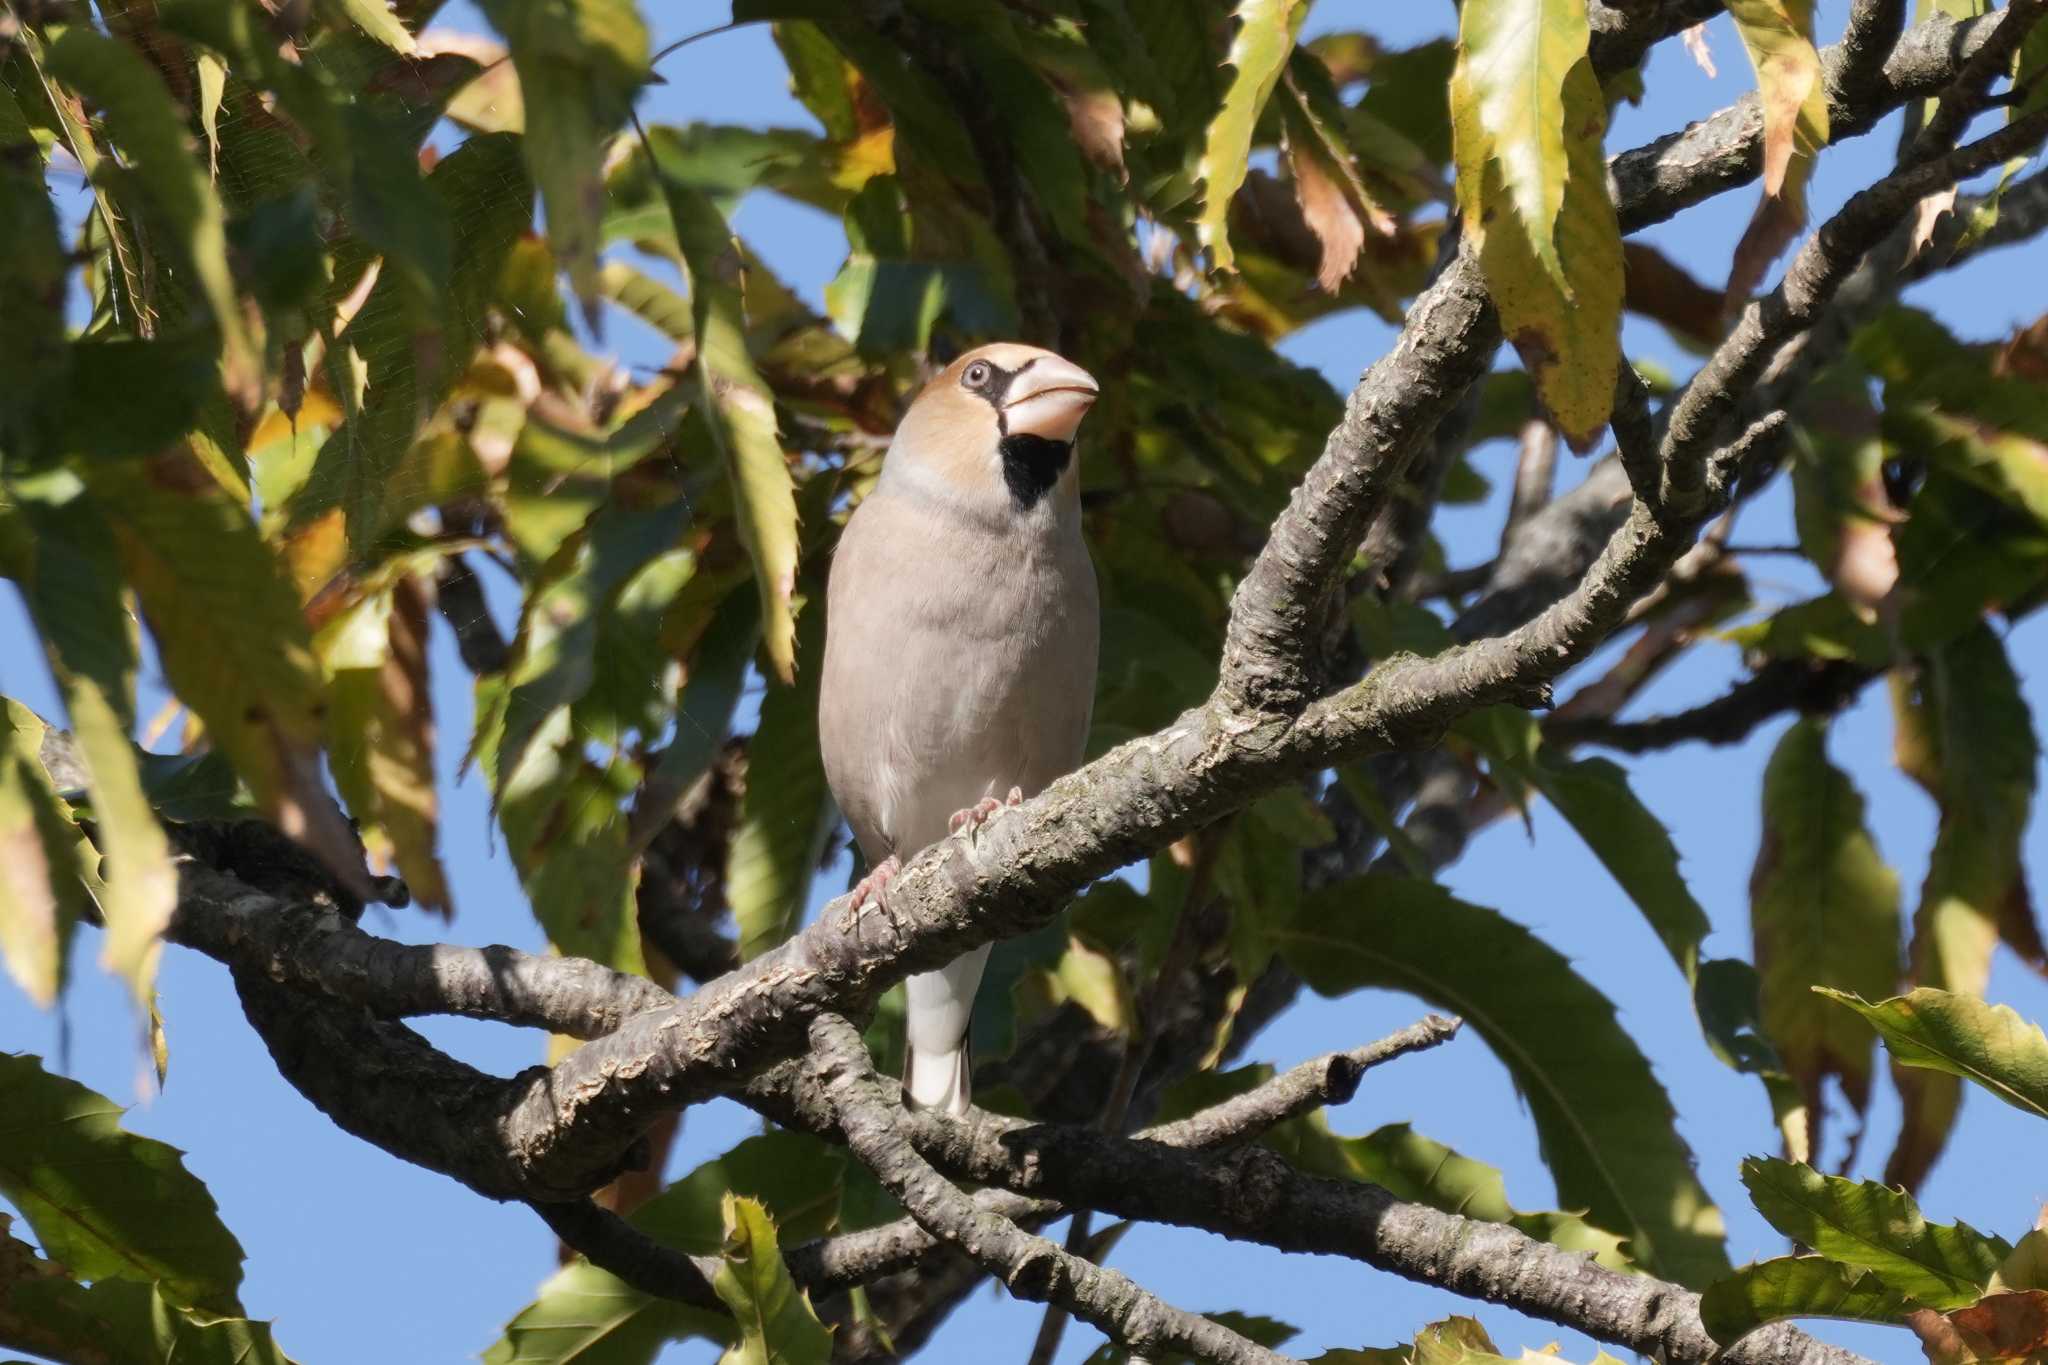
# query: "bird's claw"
976,815
873,889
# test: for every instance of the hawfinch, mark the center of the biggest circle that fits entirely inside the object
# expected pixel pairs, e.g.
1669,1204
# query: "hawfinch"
961,635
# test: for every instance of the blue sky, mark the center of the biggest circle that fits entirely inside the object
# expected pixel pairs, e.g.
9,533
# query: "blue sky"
358,1256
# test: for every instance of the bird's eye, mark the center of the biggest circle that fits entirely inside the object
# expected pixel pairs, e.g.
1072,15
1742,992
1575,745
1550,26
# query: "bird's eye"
977,375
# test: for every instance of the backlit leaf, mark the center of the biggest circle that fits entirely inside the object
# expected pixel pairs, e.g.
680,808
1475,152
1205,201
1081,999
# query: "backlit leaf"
1258,54
41,856
1528,119
108,1204
787,813
777,1326
1824,909
741,414
1779,37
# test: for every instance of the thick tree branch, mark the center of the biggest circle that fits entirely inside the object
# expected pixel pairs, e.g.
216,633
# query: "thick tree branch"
872,1119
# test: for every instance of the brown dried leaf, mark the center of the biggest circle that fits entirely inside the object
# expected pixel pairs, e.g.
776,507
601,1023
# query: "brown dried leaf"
1661,289
1696,44
1329,215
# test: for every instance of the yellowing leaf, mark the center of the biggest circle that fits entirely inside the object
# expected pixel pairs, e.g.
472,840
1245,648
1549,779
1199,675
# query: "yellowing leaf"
1258,54
742,414
777,1326
233,644
374,17
1527,120
41,855
1779,37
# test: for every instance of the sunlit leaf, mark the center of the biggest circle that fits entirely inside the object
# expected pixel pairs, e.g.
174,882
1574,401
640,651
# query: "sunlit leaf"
1258,54
742,417
1879,1229
1528,117
1796,1287
1964,1036
41,856
587,1316
777,1326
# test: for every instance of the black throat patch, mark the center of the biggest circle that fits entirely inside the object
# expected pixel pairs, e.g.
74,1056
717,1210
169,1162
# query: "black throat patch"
1032,465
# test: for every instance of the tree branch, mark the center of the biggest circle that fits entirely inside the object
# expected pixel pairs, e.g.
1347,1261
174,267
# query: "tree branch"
872,1119
1783,685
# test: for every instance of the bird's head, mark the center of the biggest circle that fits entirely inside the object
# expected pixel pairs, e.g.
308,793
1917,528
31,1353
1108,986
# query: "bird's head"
998,421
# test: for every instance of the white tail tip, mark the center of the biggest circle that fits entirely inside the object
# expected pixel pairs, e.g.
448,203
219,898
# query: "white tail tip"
938,1080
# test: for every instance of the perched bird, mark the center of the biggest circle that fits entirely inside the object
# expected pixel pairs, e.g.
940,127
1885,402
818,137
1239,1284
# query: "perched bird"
960,643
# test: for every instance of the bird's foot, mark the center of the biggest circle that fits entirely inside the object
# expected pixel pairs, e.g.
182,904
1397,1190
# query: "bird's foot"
873,889
976,815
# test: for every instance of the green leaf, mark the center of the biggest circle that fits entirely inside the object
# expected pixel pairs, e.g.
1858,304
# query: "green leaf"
374,18
42,855
115,1322
75,597
1605,1124
1826,627
1258,54
1867,1225
586,1316
580,64
33,277
787,813
741,413
1796,1287
1824,909
777,1326
147,125
1527,120
1423,1171
1594,797
1964,1036
1968,738
105,1203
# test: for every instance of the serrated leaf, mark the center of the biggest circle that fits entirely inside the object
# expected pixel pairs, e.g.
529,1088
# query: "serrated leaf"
1258,54
1864,1224
148,126
586,1316
1964,1036
380,722
115,1322
1778,35
1796,1287
1824,911
105,1203
580,64
787,813
1969,734
777,1326
1528,119
33,276
741,413
374,18
41,856
1605,1123
231,637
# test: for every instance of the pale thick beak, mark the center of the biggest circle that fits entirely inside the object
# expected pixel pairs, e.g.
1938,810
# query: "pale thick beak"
1049,399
